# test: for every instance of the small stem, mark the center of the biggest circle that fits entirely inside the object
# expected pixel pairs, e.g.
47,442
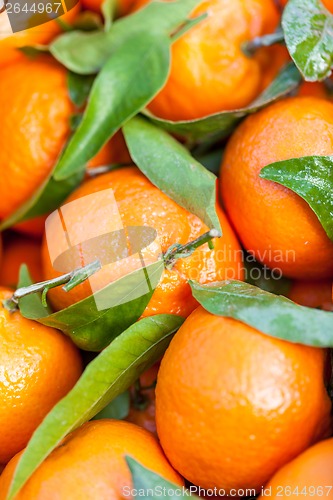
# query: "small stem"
177,251
249,48
70,280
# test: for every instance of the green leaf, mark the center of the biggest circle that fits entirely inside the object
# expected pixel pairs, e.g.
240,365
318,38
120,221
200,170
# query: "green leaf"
308,32
47,198
125,85
86,53
147,481
79,87
81,52
169,166
118,408
311,177
220,125
111,373
271,314
90,326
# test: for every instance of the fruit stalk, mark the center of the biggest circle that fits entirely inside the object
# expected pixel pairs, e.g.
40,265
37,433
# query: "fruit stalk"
177,251
69,280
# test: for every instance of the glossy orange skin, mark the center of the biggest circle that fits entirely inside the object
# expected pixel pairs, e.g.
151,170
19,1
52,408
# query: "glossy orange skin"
90,464
140,203
316,294
145,417
40,35
234,405
20,250
274,223
311,472
34,126
209,71
39,366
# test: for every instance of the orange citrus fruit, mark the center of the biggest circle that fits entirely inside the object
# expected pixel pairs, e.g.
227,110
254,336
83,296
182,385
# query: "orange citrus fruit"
308,475
34,126
20,250
140,203
10,42
316,294
142,410
39,366
90,464
234,405
209,70
275,224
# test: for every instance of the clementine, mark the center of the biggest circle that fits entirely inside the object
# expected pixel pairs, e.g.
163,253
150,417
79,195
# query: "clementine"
275,224
39,366
234,405
310,474
209,70
140,203
34,126
90,464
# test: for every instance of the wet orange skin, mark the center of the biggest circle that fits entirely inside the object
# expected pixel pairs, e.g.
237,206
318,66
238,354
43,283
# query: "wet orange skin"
274,223
20,250
39,366
310,472
234,405
90,464
201,81
142,204
40,35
